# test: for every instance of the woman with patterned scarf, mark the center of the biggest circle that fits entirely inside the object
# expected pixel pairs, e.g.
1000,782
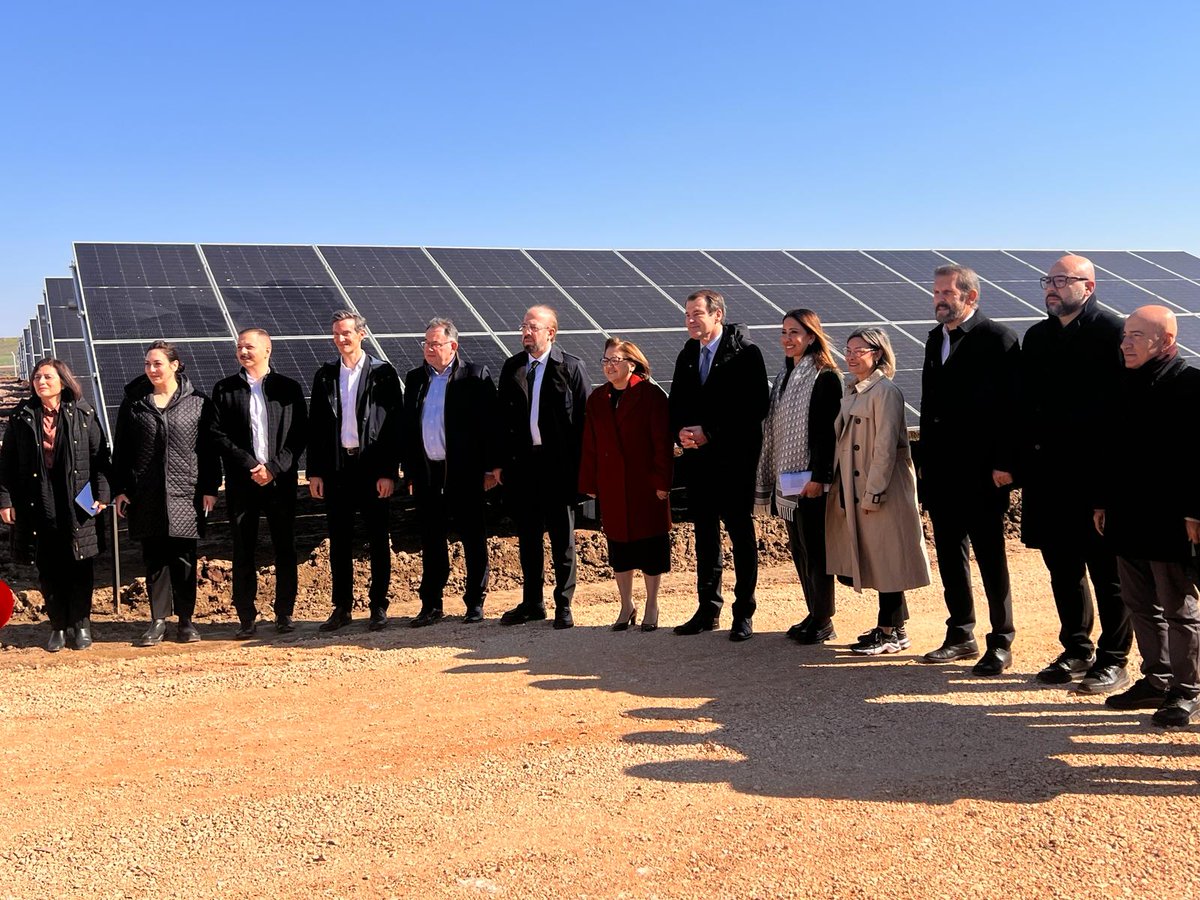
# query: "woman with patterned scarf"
796,465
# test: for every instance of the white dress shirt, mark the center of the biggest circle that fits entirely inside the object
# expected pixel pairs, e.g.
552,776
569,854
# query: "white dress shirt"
258,416
433,414
348,379
536,397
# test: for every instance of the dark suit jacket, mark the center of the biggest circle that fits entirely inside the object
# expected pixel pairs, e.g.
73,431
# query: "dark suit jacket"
379,409
472,444
564,396
730,406
287,429
968,413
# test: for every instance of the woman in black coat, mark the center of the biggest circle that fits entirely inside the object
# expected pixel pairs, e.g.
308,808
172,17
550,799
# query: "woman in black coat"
798,444
53,481
166,474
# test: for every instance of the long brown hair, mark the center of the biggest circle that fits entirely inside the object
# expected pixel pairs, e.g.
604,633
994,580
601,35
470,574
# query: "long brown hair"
819,348
70,383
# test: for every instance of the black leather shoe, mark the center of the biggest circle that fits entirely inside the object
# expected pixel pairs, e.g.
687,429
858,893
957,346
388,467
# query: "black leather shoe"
426,617
1103,680
563,618
1176,711
246,631
994,662
519,615
695,625
742,630
153,636
950,652
285,624
1143,695
339,618
1064,669
798,630
475,614
627,623
379,620
817,634
187,633
83,635
58,640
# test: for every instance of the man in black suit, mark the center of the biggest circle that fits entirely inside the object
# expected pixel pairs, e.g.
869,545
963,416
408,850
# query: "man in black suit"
354,461
1071,370
719,398
450,459
542,398
260,426
966,457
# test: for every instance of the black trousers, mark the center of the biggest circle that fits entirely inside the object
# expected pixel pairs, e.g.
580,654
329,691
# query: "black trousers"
806,540
708,510
1164,607
349,491
1079,555
170,576
959,525
437,512
537,512
66,582
893,609
247,505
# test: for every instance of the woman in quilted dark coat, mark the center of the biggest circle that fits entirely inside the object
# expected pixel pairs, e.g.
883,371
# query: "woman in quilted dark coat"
166,473
54,453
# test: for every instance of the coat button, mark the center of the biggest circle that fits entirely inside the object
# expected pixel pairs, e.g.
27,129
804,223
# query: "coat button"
856,446
857,420
1037,446
856,473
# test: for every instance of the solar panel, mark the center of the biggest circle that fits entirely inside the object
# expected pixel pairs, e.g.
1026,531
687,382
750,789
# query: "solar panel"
297,359
407,310
205,363
140,265
406,354
661,349
1123,296
122,313
489,268
504,308
1124,265
74,354
1174,262
283,309
762,267
614,308
1041,260
1177,291
267,266
898,301
63,308
588,268
35,333
680,267
994,265
830,303
917,265
845,266
382,267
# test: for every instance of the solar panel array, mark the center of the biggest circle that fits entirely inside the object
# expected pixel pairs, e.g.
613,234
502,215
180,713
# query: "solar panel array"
199,295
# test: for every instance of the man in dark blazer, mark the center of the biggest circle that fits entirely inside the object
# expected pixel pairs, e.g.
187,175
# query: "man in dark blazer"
450,459
1070,371
354,461
719,398
260,427
965,462
542,397
1149,513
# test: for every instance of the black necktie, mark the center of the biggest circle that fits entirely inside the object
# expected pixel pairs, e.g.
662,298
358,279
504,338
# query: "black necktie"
530,378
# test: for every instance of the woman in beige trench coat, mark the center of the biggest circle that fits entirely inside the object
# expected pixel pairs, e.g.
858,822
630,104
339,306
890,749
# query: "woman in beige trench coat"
872,525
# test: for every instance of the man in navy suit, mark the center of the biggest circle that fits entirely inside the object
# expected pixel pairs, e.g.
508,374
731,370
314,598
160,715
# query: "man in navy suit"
542,397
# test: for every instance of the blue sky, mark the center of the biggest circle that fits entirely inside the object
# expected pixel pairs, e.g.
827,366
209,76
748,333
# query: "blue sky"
579,124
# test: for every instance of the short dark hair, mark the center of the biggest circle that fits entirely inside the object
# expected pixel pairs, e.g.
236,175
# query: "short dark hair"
70,383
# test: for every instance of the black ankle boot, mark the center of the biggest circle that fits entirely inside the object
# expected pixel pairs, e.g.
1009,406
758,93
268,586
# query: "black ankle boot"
154,636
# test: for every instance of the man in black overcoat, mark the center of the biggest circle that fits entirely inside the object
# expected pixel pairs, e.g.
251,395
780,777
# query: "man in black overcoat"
1070,371
450,457
719,398
542,398
966,457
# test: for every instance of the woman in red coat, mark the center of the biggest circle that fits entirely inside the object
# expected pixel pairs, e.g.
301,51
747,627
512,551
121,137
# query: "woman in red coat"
626,463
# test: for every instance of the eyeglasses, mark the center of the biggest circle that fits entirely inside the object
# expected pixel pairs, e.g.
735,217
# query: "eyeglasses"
435,345
1060,281
612,360
526,326
858,351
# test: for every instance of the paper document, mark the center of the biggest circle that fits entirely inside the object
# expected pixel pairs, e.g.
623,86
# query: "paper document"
85,499
792,483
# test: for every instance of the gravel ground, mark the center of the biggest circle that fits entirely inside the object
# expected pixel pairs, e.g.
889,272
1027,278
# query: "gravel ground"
477,761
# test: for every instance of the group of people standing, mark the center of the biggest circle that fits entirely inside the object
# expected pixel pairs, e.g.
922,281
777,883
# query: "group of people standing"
1068,417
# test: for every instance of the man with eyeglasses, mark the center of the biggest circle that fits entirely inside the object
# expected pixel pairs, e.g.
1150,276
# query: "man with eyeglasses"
1070,370
1154,528
542,396
719,398
451,454
965,460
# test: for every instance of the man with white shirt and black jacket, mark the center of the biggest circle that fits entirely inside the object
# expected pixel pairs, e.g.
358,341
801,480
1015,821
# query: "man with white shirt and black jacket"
260,427
451,452
354,461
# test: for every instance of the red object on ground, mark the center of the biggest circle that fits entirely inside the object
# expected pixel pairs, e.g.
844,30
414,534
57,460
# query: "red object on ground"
7,601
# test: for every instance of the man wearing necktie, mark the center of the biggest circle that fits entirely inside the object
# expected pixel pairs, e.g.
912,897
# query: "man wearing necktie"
542,396
719,398
965,460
